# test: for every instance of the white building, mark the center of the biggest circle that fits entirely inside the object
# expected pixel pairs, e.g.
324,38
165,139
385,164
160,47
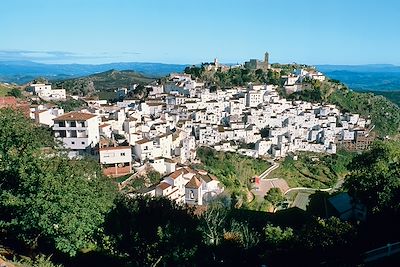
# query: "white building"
78,131
116,161
46,92
46,116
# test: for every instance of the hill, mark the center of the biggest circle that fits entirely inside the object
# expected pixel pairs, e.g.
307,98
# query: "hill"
21,72
102,84
377,77
393,96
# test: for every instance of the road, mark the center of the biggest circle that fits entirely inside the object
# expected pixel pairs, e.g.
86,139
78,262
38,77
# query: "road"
274,166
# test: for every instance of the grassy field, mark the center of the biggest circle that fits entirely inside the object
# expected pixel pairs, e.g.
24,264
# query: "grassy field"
4,90
313,170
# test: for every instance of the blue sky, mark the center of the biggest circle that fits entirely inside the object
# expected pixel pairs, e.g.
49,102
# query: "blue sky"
178,31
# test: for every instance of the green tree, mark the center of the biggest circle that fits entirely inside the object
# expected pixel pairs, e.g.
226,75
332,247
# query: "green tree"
150,232
374,177
46,198
15,93
154,176
274,196
212,223
277,236
325,234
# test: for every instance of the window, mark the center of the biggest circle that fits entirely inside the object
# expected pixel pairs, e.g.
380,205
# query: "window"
82,143
62,133
73,123
73,143
61,124
81,124
123,154
191,194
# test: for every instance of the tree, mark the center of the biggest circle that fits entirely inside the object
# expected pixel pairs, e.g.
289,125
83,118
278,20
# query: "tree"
47,199
277,236
15,93
154,176
375,177
151,231
274,196
212,223
325,234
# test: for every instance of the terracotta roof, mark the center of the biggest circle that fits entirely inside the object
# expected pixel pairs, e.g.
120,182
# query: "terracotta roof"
75,116
163,185
193,183
104,125
8,100
175,174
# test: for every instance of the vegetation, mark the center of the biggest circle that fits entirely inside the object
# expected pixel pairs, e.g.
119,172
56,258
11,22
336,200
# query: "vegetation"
102,82
234,76
233,170
47,199
148,232
71,104
274,196
51,205
393,96
313,169
7,90
374,178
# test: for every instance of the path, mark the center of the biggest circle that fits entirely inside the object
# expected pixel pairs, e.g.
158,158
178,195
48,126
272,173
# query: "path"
274,166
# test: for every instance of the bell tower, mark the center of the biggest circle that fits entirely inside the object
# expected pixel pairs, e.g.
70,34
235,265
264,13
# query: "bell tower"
266,58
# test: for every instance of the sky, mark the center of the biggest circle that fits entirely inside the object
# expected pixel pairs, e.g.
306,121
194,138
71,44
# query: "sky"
191,32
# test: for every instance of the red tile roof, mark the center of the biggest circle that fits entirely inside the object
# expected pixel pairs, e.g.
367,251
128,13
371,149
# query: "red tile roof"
193,183
163,185
175,174
75,116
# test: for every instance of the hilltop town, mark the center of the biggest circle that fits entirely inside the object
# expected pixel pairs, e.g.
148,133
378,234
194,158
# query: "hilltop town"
181,113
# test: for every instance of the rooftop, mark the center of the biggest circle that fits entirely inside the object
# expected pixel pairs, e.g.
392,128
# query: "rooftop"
75,116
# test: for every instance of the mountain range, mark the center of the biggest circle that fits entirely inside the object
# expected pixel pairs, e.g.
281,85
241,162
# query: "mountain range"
375,77
21,72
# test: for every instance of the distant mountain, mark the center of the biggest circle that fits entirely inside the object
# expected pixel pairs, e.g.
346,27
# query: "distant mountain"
102,84
375,77
360,68
21,72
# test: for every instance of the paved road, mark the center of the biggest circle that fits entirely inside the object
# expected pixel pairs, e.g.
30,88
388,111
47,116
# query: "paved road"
274,166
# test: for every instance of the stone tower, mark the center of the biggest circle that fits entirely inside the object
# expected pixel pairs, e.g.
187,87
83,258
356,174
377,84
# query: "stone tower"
266,58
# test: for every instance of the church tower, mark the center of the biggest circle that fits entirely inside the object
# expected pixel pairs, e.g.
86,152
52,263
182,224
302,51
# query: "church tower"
266,58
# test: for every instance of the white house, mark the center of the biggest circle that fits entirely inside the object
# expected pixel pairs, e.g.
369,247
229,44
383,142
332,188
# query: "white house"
78,131
116,161
46,92
46,116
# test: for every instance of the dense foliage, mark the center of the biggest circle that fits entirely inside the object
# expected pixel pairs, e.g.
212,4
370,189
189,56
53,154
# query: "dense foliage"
149,231
71,104
47,198
375,177
234,76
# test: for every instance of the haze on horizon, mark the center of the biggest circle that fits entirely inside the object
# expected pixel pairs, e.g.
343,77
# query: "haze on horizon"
190,32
